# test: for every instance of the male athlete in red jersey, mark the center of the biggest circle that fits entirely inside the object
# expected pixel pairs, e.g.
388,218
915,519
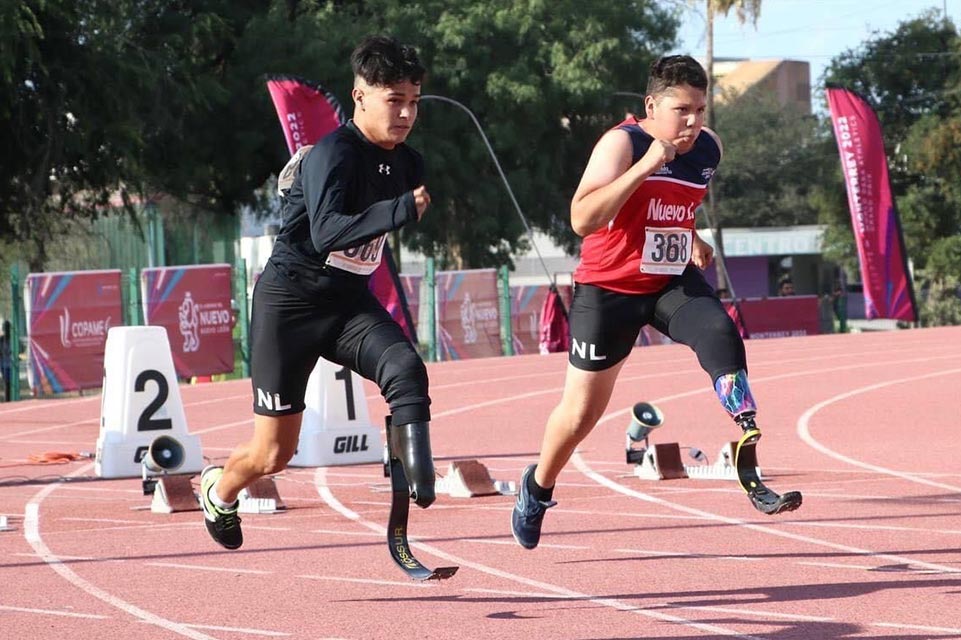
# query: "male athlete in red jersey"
640,264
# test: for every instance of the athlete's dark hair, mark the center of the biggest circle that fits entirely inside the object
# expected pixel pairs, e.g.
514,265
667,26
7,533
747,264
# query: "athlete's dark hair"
383,61
672,71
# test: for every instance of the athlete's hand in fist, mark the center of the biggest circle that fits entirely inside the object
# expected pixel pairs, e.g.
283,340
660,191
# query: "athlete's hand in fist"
702,253
421,200
658,154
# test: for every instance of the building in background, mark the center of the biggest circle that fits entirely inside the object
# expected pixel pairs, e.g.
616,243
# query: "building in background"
788,80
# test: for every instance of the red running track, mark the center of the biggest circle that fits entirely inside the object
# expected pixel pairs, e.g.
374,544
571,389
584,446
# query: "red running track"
865,425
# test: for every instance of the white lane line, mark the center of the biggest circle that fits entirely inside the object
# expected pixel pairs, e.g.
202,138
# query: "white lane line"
54,612
199,567
391,583
336,532
647,552
869,527
916,627
227,425
37,555
31,531
856,551
243,630
681,555
755,612
839,565
612,603
511,543
519,594
804,431
45,405
63,425
92,420
110,520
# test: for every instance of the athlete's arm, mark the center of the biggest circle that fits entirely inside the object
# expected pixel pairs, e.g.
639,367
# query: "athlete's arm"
327,179
610,179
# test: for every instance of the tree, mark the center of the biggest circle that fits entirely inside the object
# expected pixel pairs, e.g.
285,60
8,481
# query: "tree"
778,163
140,97
912,78
744,10
70,90
541,90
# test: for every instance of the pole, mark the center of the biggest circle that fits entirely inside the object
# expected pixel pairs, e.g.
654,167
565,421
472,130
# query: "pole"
17,311
430,283
517,207
240,298
507,334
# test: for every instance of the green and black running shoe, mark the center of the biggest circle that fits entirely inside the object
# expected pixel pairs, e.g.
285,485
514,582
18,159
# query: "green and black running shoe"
223,525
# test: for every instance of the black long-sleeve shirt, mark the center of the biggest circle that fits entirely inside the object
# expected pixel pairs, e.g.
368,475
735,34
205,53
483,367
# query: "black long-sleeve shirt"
346,196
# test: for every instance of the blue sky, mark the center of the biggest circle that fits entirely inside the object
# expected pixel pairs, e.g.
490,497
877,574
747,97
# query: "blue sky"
810,30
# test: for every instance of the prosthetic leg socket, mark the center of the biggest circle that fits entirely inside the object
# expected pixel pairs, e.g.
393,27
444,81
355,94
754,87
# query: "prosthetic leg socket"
410,444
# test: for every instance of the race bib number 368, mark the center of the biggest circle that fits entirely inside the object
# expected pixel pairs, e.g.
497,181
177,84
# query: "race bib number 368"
362,260
667,250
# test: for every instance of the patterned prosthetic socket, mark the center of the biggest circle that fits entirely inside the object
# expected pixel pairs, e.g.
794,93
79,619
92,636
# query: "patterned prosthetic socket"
410,443
735,395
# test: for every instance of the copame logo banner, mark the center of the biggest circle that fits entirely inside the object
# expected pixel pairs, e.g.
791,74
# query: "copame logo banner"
194,305
68,316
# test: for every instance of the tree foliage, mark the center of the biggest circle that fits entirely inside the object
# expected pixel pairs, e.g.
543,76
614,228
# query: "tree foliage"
541,84
133,98
777,164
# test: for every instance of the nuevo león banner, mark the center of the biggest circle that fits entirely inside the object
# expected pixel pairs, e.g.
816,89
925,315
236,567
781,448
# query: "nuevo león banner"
194,305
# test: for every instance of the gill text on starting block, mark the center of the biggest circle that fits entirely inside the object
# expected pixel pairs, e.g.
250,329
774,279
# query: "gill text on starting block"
336,427
141,402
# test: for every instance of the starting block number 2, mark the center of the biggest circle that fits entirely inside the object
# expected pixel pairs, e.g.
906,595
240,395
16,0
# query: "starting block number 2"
141,400
147,421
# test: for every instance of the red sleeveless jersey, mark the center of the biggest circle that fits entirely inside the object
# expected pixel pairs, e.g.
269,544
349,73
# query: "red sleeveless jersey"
650,239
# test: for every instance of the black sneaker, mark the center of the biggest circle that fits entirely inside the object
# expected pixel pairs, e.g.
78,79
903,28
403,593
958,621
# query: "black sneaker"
223,525
528,513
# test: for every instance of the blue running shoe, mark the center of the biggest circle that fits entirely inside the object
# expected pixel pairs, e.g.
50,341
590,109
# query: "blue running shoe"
223,525
528,513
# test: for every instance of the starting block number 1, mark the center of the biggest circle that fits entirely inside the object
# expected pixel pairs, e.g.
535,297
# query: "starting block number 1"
345,375
336,428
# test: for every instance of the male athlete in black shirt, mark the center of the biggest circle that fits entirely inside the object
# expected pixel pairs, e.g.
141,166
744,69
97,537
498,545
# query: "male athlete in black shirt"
312,301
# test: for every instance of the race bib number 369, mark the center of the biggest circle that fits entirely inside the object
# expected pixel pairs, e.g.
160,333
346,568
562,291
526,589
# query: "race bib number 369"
362,260
667,250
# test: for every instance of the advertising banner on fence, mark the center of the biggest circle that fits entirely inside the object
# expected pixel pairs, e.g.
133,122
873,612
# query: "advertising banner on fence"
528,328
68,315
194,305
778,317
468,314
888,292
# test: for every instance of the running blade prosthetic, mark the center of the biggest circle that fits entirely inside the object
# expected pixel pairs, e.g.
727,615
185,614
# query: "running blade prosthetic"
764,499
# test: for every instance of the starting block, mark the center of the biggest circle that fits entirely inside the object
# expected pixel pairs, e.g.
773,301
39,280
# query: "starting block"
336,428
174,493
659,462
261,497
141,404
470,479
723,468
5,524
663,462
